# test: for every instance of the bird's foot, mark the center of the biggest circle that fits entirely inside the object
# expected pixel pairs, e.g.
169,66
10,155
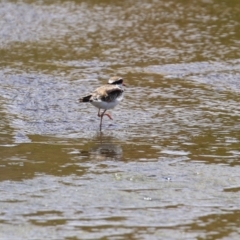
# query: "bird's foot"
109,116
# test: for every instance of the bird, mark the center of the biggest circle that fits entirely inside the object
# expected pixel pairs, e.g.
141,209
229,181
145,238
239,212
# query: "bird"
106,97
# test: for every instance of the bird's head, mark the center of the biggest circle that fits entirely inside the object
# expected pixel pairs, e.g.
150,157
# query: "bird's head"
116,81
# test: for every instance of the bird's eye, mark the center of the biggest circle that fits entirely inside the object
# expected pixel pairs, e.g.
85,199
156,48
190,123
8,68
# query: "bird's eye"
120,81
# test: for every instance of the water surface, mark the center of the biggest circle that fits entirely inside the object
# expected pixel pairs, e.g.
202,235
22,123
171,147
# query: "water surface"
166,167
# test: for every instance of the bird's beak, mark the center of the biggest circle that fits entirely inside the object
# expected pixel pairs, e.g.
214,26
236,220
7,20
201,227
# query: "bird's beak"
124,84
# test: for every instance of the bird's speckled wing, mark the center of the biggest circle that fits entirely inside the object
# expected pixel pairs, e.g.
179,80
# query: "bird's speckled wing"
107,93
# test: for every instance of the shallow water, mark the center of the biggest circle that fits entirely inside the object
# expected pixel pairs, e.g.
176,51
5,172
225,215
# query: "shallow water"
166,167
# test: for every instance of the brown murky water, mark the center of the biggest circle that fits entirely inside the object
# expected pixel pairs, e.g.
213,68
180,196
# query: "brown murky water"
166,167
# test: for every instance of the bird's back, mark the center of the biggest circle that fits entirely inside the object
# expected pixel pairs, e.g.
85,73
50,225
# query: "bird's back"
107,93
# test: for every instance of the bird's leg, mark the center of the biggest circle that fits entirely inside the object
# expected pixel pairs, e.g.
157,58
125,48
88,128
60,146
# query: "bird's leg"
101,116
103,113
109,116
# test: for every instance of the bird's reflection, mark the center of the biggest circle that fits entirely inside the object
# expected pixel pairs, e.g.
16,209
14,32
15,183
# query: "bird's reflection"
105,147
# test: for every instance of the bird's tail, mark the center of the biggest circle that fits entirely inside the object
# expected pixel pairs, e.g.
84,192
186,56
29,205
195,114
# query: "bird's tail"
85,99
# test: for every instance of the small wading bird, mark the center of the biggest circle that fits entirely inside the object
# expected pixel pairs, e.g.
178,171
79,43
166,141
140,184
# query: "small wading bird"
106,97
